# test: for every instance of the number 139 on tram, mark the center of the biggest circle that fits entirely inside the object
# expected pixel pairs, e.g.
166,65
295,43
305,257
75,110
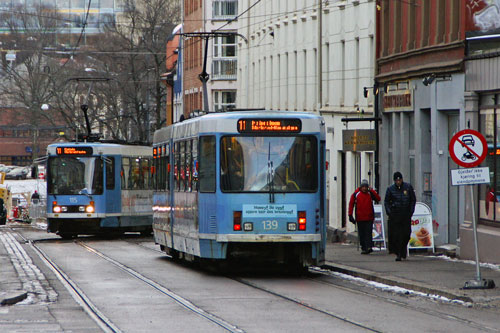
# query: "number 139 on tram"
242,184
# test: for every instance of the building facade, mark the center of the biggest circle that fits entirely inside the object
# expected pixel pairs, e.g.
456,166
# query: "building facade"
314,56
482,103
420,54
205,17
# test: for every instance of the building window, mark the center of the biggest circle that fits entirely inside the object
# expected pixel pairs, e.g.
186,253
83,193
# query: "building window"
224,100
224,64
224,9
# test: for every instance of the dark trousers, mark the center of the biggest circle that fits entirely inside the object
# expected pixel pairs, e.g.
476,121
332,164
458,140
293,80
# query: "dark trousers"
365,229
399,235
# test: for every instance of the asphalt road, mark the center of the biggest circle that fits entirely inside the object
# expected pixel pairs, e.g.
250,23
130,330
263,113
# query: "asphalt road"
136,288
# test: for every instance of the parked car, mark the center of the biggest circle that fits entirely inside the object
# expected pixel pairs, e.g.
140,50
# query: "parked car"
17,173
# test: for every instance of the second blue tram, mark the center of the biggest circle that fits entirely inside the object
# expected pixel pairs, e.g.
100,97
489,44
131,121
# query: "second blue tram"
242,183
95,187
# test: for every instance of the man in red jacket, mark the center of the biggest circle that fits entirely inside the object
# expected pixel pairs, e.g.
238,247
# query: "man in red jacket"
363,199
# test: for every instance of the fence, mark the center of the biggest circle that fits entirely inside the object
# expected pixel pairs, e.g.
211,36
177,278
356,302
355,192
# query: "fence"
37,209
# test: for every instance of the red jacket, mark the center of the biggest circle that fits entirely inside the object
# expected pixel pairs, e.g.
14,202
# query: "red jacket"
364,204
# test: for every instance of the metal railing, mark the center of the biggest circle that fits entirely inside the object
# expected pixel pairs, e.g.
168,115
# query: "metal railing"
224,69
38,209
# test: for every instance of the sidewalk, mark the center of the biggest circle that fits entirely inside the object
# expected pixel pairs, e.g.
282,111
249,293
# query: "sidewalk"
11,287
427,273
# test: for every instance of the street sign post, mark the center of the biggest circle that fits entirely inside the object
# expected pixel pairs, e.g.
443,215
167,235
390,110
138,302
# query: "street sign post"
468,148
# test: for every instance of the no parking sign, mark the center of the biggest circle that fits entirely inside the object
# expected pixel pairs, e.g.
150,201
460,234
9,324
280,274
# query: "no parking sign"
468,148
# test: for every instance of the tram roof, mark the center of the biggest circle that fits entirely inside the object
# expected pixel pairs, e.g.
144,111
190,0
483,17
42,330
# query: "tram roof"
225,122
104,148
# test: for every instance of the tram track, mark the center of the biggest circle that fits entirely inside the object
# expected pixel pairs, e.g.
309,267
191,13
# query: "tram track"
423,310
434,313
167,292
92,310
187,304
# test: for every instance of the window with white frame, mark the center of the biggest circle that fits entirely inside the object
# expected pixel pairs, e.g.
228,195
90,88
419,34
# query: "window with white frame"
225,46
224,99
224,9
224,63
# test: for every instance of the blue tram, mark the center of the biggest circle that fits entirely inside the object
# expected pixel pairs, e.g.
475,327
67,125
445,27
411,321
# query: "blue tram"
242,184
95,187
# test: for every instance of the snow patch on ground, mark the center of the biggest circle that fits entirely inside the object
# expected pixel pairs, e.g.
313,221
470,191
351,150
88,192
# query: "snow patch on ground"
393,289
494,267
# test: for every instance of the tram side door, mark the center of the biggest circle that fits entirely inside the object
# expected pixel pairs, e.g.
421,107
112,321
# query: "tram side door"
112,190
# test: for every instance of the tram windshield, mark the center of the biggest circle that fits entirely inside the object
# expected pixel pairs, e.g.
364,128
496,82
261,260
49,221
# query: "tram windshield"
75,175
264,164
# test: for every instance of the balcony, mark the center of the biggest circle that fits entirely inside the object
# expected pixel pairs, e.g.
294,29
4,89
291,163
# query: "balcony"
224,69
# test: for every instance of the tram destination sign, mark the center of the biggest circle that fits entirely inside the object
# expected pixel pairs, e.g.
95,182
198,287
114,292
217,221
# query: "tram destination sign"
74,151
287,125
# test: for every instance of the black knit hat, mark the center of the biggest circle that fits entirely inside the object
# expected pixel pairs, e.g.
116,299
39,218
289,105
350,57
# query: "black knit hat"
397,175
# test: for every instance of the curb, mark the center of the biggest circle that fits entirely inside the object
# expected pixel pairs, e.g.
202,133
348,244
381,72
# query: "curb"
395,281
14,299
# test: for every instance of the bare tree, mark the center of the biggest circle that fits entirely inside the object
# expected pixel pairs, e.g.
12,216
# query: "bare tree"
25,84
129,53
134,54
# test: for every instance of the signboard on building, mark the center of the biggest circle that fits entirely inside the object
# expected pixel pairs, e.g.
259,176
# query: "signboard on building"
359,140
399,100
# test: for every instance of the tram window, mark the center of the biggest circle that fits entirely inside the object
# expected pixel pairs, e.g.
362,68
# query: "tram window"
207,164
262,164
144,179
167,170
125,171
97,179
183,165
177,167
110,173
194,161
189,177
134,182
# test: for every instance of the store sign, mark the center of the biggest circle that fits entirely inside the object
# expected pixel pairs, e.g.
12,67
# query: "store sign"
359,140
398,100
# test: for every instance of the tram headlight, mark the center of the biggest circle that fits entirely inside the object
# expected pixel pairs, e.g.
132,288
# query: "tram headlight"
90,208
56,209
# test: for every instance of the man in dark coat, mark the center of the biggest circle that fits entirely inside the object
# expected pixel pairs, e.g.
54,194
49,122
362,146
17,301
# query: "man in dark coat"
399,205
363,199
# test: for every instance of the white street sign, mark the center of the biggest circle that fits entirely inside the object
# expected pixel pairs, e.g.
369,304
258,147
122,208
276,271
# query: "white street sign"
470,176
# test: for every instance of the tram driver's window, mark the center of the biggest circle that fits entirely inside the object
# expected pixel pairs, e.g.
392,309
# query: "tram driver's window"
206,165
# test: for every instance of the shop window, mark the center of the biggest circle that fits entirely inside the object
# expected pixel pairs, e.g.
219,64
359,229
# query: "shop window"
489,194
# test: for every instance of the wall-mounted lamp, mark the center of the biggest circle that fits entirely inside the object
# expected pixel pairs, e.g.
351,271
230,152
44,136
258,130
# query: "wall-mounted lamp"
428,79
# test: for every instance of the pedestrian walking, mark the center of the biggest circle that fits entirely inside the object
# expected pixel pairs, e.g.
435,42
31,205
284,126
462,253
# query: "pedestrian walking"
35,195
362,199
399,205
